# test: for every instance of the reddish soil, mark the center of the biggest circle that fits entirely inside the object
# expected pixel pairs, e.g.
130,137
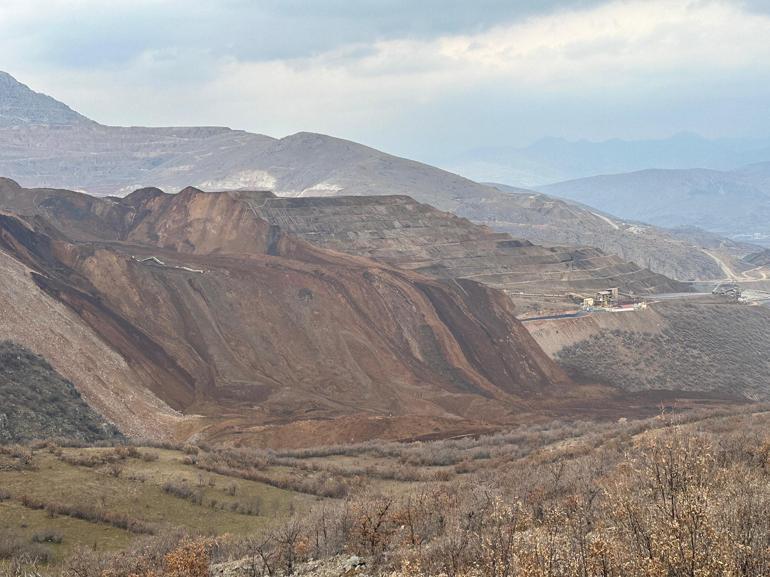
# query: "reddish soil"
274,332
255,337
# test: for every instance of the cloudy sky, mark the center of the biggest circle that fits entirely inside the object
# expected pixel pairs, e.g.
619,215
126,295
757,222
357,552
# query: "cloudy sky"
422,78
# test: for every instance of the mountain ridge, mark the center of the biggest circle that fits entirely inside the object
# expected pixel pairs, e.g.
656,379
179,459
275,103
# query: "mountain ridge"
106,160
552,160
684,254
20,105
733,203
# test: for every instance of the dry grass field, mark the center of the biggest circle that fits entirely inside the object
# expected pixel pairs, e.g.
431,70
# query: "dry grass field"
685,494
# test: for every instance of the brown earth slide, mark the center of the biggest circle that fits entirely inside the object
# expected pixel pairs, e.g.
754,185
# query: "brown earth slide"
180,315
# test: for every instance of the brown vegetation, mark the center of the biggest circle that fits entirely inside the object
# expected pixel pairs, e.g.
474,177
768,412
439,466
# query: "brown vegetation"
680,496
86,513
671,503
716,348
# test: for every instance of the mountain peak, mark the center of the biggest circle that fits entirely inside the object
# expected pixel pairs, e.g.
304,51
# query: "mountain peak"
22,106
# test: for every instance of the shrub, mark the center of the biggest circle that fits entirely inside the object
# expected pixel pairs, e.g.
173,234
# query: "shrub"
14,549
178,488
48,536
189,559
183,490
87,513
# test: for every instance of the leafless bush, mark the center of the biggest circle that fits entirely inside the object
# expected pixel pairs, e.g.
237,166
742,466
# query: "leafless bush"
319,484
675,496
182,489
675,502
88,513
14,549
47,536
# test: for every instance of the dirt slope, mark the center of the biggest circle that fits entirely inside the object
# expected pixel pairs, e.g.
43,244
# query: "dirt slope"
416,236
219,313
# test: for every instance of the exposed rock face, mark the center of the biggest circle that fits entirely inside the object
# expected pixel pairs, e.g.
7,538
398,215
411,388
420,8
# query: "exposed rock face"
55,148
414,236
220,313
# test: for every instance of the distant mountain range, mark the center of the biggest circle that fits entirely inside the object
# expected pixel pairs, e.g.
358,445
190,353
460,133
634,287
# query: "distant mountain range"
553,160
682,253
733,203
44,143
239,315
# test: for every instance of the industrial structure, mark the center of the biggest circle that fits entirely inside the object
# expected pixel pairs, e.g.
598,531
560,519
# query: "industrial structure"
609,300
606,298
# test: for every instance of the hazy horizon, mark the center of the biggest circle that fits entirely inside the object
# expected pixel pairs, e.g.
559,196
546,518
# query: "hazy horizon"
424,80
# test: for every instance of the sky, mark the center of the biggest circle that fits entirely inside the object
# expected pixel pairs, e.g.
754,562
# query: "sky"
425,79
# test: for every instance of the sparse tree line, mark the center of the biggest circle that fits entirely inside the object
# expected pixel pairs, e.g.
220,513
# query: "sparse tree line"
675,505
628,500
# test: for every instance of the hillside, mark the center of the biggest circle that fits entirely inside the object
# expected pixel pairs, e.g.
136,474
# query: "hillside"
683,254
671,346
415,236
37,403
379,507
20,106
732,203
218,323
105,160
761,258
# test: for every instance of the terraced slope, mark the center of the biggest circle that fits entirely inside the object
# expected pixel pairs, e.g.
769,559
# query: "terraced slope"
415,236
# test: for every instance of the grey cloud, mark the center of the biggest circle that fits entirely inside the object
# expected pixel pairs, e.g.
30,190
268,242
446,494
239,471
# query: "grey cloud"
88,60
264,30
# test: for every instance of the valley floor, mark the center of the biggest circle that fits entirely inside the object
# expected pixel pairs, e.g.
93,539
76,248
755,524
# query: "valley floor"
75,508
